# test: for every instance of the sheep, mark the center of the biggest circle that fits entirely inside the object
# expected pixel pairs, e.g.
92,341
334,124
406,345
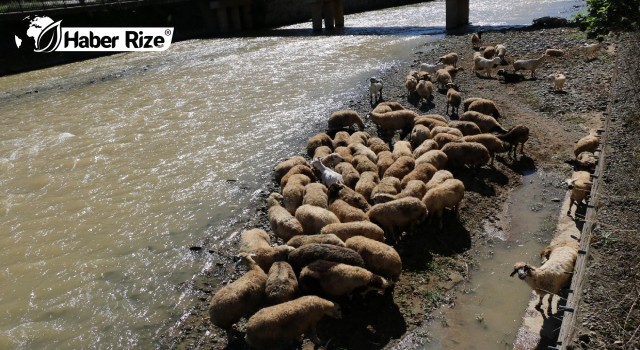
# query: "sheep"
257,242
429,122
410,84
491,142
422,172
443,78
340,139
336,279
313,218
558,79
467,128
375,90
283,224
401,167
435,157
489,52
580,186
322,152
281,285
361,163
308,253
350,176
554,52
518,134
327,176
345,119
531,65
388,185
439,177
332,160
509,77
443,138
401,148
591,50
345,153
431,68
453,99
346,230
485,106
379,258
361,149
486,123
445,195
301,169
359,137
419,134
435,117
397,214
485,64
300,240
240,298
377,145
450,59
467,102
424,88
394,120
293,192
414,188
316,194
587,144
445,129
391,105
385,159
278,325
321,139
425,147
346,212
368,181
283,167
549,278
501,51
587,160
476,40
348,195
466,154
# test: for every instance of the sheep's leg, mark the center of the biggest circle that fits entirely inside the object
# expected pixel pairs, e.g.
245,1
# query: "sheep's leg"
570,205
493,157
313,335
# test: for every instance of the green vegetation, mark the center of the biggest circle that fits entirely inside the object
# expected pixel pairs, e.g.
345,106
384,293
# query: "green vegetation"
602,16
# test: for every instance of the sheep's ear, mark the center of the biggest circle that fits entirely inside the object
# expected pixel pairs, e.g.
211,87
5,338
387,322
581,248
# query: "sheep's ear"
514,272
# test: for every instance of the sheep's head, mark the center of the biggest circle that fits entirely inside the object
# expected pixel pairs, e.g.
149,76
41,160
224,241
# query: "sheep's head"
317,163
275,199
522,269
571,183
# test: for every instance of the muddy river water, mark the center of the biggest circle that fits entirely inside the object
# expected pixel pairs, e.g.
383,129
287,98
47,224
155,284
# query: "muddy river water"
111,168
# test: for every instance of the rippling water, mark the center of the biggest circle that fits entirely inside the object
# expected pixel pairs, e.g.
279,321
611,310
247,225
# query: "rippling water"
111,168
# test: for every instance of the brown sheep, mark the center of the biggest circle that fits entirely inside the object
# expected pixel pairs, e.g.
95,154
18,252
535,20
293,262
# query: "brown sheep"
258,243
316,194
467,128
321,139
281,285
385,159
486,123
368,181
435,157
402,148
345,119
340,139
401,167
414,188
491,142
466,154
345,153
377,145
446,195
313,219
283,167
586,144
429,122
337,279
398,214
439,177
350,175
388,185
359,137
361,163
346,230
308,253
304,169
300,240
425,147
444,138
518,134
348,195
379,258
293,192
422,172
484,106
346,212
283,224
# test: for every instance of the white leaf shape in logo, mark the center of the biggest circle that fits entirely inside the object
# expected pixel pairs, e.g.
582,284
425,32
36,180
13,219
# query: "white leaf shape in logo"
54,34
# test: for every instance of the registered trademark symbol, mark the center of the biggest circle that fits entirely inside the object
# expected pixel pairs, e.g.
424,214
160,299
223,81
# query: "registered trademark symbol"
167,32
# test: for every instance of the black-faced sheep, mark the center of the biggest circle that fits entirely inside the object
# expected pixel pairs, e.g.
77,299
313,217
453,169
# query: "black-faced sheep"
281,285
518,134
313,218
346,212
337,279
485,106
293,192
446,195
329,238
321,139
316,194
346,230
425,147
401,167
486,123
397,215
350,175
435,157
308,253
485,64
276,326
467,128
586,144
258,243
491,142
558,80
580,186
530,65
327,176
283,224
345,119
466,154
348,195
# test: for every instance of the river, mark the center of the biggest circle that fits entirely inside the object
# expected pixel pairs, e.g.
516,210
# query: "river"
111,168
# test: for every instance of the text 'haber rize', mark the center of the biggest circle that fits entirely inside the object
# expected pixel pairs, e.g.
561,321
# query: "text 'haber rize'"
135,40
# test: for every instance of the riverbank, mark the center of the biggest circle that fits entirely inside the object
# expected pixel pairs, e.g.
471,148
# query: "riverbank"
436,262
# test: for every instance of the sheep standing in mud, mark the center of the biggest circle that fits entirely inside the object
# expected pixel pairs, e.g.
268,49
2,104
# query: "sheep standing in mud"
446,195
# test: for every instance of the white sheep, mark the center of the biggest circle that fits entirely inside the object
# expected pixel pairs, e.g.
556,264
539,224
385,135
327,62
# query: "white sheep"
485,64
278,325
313,218
431,68
375,90
501,51
450,59
338,279
448,194
281,285
283,224
397,215
580,186
344,119
558,80
379,258
327,176
530,65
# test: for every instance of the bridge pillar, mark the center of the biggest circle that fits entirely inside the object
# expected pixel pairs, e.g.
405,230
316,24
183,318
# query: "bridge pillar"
332,11
231,14
338,12
329,18
457,13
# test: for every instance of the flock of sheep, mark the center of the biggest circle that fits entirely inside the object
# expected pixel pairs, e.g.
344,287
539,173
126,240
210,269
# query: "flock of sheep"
341,210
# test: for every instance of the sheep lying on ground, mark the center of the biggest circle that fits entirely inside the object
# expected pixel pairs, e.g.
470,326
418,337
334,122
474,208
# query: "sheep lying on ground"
346,230
450,59
587,160
446,195
278,325
486,123
484,106
283,224
337,279
379,258
530,65
308,253
549,278
316,194
518,134
453,99
258,243
321,139
375,90
313,218
467,128
281,285
327,176
491,142
329,238
587,144
398,214
580,186
558,79
345,119
591,50
240,298
466,154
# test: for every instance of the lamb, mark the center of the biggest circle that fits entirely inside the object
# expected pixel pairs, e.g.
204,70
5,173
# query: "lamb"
388,185
346,230
257,243
327,176
431,68
587,144
422,172
591,50
283,167
489,52
345,153
303,169
486,123
348,195
401,167
501,51
346,212
375,90
341,139
453,99
350,176
450,59
280,324
467,128
558,79
554,52
345,119
518,134
316,194
401,148
439,177
411,84
580,186
240,298
313,218
385,159
283,224
491,142
531,65
425,147
484,106
293,192
445,129
397,214
300,240
549,278
509,77
446,195
281,285
321,139
475,40
338,279
368,181
435,157
419,134
379,258
360,149
359,137
394,120
466,154
485,64
308,253
424,88
361,163
377,145
443,78
443,138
